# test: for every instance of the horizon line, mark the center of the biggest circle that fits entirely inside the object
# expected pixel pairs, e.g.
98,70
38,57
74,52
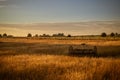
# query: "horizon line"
59,22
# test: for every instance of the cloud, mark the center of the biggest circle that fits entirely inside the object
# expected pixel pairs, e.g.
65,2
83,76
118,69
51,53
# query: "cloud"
77,28
8,6
3,0
2,6
2,3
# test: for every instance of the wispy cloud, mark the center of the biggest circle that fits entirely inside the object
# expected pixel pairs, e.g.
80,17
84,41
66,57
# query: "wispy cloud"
3,0
2,3
9,6
6,4
77,28
2,6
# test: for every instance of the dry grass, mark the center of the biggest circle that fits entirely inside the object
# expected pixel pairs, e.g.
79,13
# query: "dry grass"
53,67
58,47
39,60
56,41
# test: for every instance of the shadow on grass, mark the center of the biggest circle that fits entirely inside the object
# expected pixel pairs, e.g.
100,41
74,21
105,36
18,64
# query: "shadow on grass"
15,48
41,72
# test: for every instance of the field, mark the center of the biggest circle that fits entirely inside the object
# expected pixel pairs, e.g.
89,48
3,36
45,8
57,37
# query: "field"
48,59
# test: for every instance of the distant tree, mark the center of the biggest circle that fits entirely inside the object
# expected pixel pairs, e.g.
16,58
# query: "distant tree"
68,35
10,36
0,35
4,35
29,35
54,35
45,35
58,35
36,35
116,34
103,34
112,34
40,35
61,34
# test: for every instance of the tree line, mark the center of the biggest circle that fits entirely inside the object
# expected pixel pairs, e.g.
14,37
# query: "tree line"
47,35
5,35
111,34
69,35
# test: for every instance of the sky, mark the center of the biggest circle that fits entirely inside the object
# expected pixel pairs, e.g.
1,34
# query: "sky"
29,11
73,28
58,16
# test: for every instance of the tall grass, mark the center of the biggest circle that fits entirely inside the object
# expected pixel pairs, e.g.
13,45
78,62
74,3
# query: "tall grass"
46,59
54,67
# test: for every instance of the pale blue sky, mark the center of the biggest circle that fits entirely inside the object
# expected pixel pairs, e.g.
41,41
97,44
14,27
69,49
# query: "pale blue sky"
54,16
32,11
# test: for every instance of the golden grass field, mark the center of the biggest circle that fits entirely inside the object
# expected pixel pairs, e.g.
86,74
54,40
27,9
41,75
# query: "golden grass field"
48,59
